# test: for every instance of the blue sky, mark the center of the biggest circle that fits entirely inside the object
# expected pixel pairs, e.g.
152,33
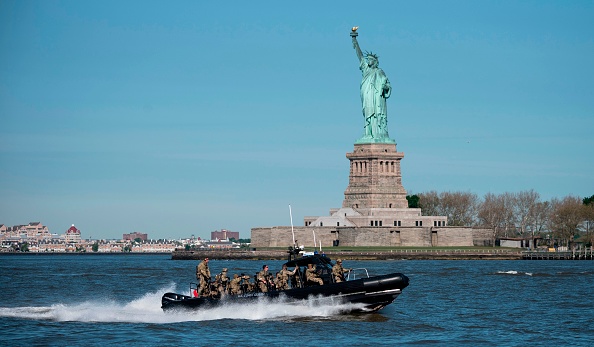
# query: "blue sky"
175,118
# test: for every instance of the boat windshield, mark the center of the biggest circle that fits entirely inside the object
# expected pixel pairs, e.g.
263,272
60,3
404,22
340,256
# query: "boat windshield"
320,261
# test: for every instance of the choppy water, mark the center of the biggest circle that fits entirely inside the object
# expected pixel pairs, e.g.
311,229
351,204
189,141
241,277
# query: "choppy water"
98,300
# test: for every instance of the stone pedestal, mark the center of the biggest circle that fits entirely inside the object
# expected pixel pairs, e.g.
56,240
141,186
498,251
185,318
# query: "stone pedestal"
375,180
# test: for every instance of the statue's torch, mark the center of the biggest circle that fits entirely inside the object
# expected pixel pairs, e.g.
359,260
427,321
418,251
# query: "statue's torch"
354,32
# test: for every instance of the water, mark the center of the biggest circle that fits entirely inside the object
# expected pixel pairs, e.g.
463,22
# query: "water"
98,300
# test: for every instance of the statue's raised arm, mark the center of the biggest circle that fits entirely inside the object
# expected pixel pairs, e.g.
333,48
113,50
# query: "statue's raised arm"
354,35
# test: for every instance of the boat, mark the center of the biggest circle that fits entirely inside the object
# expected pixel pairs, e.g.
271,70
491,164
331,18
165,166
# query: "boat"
368,293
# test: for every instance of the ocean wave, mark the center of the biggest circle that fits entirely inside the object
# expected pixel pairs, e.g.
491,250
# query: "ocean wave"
514,273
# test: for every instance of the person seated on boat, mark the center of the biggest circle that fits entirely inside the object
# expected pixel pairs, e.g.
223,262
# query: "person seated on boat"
246,285
235,285
312,276
222,281
203,275
264,281
283,277
338,271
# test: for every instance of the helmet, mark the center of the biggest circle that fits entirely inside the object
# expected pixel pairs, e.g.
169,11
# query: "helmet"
339,260
224,269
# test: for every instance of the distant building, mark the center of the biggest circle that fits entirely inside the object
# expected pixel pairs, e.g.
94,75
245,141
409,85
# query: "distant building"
519,242
224,235
221,244
135,235
72,235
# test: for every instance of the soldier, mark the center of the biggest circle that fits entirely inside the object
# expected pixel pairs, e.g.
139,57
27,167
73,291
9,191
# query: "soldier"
283,277
311,275
264,279
246,285
222,281
203,275
235,285
338,272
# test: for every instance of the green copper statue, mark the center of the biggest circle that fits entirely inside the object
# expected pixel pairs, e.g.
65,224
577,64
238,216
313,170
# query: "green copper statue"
375,89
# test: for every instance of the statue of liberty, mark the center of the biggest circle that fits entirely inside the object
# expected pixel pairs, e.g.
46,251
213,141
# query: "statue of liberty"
375,89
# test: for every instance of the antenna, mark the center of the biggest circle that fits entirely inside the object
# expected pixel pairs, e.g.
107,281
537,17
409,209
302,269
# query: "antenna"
292,231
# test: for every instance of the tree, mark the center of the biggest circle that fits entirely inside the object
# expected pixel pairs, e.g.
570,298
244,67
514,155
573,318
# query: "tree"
95,247
429,202
540,220
524,206
566,217
491,214
24,247
413,201
459,207
589,219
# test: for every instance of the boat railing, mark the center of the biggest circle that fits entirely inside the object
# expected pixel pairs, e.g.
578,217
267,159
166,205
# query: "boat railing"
360,272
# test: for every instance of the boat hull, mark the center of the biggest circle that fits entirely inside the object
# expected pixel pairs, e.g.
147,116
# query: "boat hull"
371,293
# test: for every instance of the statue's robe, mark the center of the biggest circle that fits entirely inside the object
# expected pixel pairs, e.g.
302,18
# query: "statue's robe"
375,89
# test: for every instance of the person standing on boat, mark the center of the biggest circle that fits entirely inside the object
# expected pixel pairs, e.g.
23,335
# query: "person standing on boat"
203,275
311,275
283,277
264,279
338,271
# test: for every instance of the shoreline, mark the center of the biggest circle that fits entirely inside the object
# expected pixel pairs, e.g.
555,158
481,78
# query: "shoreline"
410,254
348,255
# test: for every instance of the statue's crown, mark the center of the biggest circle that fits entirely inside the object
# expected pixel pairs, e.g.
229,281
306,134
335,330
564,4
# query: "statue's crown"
371,54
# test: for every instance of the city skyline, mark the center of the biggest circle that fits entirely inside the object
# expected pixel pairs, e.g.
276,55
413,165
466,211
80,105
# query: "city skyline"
173,119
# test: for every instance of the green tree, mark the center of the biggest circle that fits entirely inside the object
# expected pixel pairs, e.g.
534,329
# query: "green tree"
413,201
95,247
589,220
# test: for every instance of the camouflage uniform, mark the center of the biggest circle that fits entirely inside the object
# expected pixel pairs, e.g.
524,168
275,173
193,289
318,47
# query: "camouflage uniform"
312,276
338,271
203,275
235,285
222,281
263,280
249,287
283,278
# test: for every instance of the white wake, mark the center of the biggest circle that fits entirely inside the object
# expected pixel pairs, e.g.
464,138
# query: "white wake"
147,309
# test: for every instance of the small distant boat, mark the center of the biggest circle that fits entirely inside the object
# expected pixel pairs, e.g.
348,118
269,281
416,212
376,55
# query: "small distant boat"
372,293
